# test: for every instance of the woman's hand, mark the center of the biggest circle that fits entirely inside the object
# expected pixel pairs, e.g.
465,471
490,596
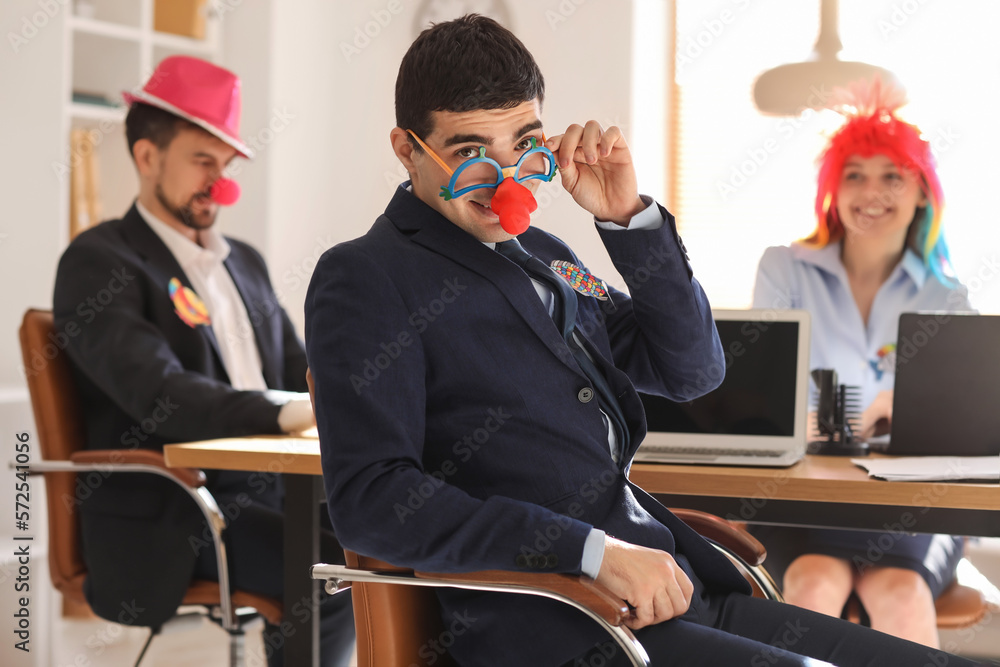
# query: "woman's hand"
872,423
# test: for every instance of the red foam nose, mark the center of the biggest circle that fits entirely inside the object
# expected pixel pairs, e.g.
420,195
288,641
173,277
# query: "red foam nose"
225,192
514,204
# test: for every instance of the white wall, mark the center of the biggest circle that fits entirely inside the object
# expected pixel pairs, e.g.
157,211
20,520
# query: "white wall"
29,244
331,171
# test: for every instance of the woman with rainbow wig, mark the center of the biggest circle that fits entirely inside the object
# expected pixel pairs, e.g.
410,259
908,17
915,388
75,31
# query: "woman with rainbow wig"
877,251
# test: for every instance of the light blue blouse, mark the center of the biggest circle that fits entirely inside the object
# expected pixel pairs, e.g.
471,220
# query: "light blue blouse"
815,280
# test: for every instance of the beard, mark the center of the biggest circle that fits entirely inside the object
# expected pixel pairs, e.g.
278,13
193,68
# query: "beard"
186,213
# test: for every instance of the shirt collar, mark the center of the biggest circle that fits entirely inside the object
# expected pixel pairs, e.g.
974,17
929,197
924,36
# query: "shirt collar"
914,267
828,259
214,246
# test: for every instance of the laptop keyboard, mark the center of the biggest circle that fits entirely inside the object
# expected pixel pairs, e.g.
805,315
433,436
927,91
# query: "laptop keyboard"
710,451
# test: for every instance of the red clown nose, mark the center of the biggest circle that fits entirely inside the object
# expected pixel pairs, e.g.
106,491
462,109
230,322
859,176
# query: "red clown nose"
225,192
514,203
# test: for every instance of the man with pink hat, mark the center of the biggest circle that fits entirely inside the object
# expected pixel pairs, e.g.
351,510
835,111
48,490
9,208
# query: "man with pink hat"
192,344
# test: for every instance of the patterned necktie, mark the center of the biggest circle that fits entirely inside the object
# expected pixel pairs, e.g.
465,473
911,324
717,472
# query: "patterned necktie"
564,316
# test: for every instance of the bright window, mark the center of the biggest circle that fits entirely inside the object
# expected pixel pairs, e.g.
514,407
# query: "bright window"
745,181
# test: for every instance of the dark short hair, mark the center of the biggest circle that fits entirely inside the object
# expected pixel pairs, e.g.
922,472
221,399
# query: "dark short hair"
145,121
466,64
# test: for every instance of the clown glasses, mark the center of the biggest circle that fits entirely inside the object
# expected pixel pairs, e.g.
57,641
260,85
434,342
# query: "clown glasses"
482,172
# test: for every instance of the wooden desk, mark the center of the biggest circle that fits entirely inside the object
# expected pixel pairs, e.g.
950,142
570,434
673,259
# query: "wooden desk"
820,490
297,458
827,491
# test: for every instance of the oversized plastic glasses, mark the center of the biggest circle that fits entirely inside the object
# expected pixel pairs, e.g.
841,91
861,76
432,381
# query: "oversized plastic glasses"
537,163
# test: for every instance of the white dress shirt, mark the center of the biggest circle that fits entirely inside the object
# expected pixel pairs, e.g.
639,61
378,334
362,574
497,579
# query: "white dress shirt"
862,353
203,264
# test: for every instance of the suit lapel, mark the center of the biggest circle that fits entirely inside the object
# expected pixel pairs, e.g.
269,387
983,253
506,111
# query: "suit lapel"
254,300
161,264
436,233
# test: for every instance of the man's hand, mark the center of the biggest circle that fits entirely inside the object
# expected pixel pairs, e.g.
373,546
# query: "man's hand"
650,580
596,168
881,408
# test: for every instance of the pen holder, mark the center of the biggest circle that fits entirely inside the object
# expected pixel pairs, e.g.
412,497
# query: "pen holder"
836,417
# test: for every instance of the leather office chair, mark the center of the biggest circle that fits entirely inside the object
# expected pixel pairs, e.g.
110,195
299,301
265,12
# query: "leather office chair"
60,431
959,606
396,612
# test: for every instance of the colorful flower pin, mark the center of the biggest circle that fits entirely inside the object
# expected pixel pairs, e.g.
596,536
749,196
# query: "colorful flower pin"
187,305
581,280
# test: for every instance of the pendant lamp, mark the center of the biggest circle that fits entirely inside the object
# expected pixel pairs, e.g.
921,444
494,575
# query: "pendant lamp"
787,90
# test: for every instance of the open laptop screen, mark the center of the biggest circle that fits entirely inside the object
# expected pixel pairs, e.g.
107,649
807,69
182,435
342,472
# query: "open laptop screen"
947,385
757,396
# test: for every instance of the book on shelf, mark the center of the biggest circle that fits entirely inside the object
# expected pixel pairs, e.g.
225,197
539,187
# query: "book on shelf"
84,188
96,99
180,17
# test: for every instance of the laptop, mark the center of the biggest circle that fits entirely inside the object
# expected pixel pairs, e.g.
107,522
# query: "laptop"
757,416
946,400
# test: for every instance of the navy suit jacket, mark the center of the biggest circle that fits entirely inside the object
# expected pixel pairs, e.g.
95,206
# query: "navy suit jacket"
146,378
455,436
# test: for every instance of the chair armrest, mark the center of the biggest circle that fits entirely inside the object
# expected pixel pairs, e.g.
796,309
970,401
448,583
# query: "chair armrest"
583,590
722,532
192,477
581,593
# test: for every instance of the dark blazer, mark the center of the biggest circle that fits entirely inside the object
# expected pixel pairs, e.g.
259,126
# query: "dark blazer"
145,379
454,431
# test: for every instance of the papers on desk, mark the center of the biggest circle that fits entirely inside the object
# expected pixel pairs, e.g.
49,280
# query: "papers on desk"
933,468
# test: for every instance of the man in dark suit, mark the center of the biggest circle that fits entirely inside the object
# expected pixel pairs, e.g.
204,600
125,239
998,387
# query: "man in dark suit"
476,415
178,335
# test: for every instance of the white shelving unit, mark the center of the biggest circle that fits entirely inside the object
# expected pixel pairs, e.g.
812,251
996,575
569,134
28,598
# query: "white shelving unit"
114,50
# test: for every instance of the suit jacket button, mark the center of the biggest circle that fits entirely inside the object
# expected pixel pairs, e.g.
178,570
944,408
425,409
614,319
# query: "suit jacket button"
521,560
552,560
585,395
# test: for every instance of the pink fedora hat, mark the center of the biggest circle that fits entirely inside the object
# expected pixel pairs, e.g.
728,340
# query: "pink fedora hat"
199,92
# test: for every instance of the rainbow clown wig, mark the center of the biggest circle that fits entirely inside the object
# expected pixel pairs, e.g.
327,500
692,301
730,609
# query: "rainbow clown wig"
872,128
